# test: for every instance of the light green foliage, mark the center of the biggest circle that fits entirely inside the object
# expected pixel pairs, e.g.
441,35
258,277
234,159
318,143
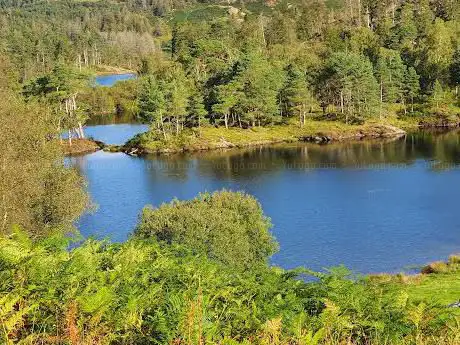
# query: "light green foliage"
439,50
141,292
229,227
36,190
59,89
195,109
163,100
236,53
152,102
227,96
439,97
258,83
406,29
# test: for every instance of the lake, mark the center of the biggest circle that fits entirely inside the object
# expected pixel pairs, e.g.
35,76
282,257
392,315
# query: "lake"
372,206
111,79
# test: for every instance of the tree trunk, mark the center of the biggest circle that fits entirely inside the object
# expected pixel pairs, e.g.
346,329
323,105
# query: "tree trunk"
368,17
162,126
359,13
226,120
381,99
70,137
341,102
82,133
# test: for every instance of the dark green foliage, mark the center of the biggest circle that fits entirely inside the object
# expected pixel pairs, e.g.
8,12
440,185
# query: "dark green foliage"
348,83
411,86
296,96
226,61
229,227
390,71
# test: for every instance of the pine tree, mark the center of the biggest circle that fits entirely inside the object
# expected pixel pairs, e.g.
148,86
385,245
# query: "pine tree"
438,96
348,82
411,86
195,110
296,97
390,72
227,97
455,72
152,103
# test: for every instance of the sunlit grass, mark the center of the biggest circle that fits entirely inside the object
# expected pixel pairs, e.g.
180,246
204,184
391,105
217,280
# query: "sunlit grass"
442,288
210,137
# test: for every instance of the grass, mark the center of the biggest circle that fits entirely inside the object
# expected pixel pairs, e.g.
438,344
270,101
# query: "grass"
106,69
442,288
79,146
210,137
200,13
442,285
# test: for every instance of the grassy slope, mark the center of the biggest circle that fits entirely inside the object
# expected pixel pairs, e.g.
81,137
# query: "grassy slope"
218,10
442,288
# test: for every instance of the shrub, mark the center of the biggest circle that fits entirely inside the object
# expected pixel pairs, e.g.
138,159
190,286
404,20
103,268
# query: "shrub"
435,267
227,226
454,259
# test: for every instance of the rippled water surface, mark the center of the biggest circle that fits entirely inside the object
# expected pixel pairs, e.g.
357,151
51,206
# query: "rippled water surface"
373,206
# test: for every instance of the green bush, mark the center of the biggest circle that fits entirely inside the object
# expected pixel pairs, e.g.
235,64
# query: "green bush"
228,227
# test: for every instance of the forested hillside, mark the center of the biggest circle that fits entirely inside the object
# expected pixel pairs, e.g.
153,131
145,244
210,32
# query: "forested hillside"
247,64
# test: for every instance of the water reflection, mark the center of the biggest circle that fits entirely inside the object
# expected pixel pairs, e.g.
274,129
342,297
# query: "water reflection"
373,206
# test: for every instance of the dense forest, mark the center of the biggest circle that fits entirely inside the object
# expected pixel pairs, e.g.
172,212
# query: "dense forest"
197,272
242,64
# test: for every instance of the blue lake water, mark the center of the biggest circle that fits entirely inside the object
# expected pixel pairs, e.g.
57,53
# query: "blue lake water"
372,206
114,134
111,79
